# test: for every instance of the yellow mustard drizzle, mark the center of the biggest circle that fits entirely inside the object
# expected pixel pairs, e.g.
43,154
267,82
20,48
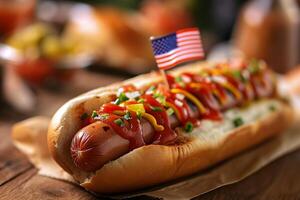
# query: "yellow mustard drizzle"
147,116
191,97
219,71
214,91
153,122
232,89
170,105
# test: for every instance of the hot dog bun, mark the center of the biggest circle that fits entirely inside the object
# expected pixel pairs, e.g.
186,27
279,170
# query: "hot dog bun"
154,164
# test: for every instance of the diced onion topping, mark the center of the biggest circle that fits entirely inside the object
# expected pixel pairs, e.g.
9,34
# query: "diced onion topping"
133,95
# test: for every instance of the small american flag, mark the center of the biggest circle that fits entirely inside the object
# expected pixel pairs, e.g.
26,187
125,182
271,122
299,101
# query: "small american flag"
176,48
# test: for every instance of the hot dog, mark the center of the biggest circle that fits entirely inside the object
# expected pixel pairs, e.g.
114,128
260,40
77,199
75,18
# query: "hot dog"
107,133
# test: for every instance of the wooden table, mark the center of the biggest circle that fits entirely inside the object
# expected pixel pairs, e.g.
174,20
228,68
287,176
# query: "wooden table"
19,179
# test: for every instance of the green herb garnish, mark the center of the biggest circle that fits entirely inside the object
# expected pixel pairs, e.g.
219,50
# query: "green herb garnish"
94,114
238,122
141,100
139,115
156,108
160,98
127,116
84,116
150,89
170,111
188,127
117,101
156,95
119,122
122,97
178,79
238,75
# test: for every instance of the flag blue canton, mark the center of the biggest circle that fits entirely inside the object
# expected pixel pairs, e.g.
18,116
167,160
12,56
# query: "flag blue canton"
164,44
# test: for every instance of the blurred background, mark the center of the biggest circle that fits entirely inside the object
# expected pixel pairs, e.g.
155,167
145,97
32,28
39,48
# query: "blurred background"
52,49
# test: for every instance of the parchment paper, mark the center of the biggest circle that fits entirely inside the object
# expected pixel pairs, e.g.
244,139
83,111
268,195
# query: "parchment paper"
30,137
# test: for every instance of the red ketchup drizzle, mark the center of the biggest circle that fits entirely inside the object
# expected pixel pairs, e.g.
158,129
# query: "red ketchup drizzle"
259,84
128,88
184,110
239,86
246,88
131,130
170,79
204,95
167,135
208,100
110,107
211,87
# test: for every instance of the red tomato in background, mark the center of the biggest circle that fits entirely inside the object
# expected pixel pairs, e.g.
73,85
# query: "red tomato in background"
35,71
14,14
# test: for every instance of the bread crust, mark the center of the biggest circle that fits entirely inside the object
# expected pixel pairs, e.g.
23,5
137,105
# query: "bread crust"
152,164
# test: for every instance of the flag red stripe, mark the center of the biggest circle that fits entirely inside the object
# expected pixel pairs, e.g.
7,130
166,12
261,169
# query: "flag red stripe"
187,29
188,39
181,48
173,56
186,34
178,56
183,35
189,42
181,61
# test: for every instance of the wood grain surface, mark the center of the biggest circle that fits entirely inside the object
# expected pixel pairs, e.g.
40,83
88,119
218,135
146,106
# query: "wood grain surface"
19,179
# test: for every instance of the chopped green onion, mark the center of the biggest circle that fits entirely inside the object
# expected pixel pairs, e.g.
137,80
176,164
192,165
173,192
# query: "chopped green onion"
178,79
122,97
127,116
117,101
150,89
188,127
139,115
84,116
170,111
238,122
156,108
119,122
238,75
94,114
141,100
156,95
160,98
